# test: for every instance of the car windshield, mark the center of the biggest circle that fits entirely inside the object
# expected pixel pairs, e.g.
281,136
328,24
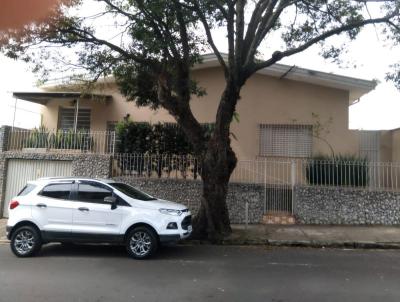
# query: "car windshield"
131,191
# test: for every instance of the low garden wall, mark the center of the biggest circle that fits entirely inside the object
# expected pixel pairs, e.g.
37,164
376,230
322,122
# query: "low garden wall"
324,205
312,205
188,192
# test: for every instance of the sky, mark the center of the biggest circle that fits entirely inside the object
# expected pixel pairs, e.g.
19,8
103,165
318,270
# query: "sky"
368,58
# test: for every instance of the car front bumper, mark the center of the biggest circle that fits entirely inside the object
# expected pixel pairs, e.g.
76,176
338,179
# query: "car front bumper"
173,238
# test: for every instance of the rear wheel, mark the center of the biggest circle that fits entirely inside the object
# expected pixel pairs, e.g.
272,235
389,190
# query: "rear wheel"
141,242
25,241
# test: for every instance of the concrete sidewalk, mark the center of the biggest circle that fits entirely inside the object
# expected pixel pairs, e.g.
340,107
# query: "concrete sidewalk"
317,236
304,235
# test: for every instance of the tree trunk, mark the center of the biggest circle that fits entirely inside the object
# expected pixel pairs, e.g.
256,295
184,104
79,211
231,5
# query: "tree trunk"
219,161
212,221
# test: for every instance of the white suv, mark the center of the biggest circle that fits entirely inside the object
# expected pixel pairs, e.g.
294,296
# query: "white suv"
93,211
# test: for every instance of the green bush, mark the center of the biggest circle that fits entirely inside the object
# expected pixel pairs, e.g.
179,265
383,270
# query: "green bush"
162,147
157,139
38,138
340,171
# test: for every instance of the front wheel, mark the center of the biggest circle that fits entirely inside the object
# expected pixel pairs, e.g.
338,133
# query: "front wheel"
141,242
25,241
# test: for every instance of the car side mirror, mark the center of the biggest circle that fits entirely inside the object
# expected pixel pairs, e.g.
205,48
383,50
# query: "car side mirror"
112,201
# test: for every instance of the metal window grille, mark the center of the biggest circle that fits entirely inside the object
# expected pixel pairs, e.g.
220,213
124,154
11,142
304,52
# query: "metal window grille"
285,140
67,119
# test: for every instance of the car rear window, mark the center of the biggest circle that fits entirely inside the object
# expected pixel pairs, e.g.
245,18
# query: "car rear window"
26,190
57,190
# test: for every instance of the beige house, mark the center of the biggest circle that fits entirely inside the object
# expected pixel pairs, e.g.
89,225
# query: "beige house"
285,111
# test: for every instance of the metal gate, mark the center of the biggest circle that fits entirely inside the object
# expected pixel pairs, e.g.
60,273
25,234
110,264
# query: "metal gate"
277,177
19,171
280,178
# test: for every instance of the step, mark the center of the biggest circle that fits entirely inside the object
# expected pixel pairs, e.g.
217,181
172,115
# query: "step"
278,218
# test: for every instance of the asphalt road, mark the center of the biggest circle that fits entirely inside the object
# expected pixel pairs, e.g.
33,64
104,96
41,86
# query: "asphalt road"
200,273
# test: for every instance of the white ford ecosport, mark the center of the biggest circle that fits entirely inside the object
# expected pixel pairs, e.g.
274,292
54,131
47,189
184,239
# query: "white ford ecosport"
93,211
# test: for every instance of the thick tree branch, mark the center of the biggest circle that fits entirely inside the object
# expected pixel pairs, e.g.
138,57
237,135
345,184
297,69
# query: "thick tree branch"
240,7
87,37
277,56
183,31
182,113
210,40
266,23
231,40
263,11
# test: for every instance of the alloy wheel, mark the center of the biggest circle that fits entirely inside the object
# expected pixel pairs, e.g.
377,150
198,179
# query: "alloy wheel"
24,242
140,243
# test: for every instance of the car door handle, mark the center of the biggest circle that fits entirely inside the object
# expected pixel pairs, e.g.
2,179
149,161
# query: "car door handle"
41,205
83,209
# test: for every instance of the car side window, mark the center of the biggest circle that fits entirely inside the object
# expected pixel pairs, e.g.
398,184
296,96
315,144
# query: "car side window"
57,191
92,192
26,190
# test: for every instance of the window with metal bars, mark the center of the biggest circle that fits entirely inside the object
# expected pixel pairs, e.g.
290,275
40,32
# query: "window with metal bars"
285,140
66,119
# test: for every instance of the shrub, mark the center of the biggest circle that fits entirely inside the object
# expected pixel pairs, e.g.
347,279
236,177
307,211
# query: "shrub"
342,170
162,147
157,139
38,138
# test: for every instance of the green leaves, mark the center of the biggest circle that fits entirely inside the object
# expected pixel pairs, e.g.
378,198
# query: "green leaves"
156,139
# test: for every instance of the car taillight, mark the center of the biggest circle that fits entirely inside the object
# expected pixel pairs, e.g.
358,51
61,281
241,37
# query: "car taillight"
13,204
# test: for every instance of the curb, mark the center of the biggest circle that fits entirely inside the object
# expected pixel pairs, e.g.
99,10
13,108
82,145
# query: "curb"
316,244
293,243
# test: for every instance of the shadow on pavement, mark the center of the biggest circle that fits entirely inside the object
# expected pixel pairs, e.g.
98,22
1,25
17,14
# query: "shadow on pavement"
113,251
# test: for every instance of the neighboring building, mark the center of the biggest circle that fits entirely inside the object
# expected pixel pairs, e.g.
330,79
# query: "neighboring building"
279,110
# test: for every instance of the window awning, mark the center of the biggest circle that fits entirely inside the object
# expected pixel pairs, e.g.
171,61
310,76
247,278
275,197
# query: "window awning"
44,97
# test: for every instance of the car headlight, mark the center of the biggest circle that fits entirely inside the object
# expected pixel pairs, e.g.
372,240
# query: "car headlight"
171,212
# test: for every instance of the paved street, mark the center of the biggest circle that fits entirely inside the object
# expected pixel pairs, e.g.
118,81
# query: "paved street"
201,273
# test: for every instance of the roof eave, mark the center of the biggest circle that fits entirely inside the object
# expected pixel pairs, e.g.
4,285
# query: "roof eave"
355,86
43,98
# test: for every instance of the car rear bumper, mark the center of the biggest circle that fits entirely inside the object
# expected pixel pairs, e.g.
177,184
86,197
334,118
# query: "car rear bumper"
8,232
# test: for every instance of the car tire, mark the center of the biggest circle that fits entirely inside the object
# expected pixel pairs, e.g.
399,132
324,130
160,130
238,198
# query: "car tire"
25,241
141,242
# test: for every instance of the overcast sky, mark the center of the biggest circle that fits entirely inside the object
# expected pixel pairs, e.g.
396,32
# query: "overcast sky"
368,58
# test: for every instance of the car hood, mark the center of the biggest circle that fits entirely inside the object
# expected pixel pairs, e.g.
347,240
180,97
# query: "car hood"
159,204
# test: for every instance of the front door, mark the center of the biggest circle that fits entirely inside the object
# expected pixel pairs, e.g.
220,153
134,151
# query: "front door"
91,214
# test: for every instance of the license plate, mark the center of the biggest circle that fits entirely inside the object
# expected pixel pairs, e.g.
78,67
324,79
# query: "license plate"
190,228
